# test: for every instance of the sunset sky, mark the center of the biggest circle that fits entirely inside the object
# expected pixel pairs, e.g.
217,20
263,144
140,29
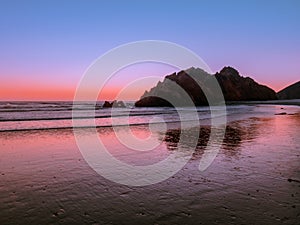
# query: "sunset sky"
46,46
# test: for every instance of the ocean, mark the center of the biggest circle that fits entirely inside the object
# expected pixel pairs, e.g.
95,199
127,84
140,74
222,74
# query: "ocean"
16,116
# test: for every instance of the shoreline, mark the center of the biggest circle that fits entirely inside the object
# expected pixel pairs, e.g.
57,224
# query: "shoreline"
295,102
253,179
138,117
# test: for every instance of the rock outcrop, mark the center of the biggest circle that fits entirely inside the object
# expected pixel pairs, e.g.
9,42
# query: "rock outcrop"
233,85
116,104
290,92
238,88
107,104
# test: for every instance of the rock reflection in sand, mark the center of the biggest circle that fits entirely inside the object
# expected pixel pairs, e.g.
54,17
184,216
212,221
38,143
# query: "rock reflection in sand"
236,134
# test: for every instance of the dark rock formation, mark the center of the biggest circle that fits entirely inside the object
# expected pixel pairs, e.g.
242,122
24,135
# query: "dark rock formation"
238,88
290,92
116,104
168,89
234,88
107,104
152,101
282,113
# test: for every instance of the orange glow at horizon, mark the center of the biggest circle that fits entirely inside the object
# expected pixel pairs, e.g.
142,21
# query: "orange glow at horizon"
109,93
31,90
27,93
46,93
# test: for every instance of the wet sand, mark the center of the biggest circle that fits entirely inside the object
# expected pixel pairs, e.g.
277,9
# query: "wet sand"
255,179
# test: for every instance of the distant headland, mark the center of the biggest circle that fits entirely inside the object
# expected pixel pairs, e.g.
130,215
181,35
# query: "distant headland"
234,87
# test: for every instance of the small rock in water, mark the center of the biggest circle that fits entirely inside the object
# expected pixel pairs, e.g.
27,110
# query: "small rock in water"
282,113
293,180
115,103
118,104
107,104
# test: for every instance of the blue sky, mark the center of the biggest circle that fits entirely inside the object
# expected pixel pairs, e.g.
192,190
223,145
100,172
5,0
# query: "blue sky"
53,42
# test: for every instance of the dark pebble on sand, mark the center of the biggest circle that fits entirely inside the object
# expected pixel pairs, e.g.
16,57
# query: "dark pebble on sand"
293,180
283,113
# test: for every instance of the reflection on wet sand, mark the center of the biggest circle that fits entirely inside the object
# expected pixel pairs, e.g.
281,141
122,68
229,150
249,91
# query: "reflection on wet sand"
236,133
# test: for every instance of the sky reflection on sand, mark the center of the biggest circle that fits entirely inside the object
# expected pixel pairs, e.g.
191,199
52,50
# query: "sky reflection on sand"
45,180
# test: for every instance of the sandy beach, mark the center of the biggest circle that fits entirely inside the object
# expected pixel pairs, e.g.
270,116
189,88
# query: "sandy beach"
255,178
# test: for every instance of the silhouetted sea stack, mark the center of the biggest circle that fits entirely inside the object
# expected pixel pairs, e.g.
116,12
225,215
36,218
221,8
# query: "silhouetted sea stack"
238,88
234,87
115,104
107,104
290,92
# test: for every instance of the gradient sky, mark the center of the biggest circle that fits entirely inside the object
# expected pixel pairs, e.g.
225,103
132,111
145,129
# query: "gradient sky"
45,46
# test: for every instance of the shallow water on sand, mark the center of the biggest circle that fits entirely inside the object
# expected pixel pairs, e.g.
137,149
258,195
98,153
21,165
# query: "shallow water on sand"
255,178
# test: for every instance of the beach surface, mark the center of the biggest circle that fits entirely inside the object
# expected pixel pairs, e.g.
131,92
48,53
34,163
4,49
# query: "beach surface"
255,178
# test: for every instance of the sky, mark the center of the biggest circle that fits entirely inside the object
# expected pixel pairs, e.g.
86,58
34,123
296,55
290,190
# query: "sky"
46,46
